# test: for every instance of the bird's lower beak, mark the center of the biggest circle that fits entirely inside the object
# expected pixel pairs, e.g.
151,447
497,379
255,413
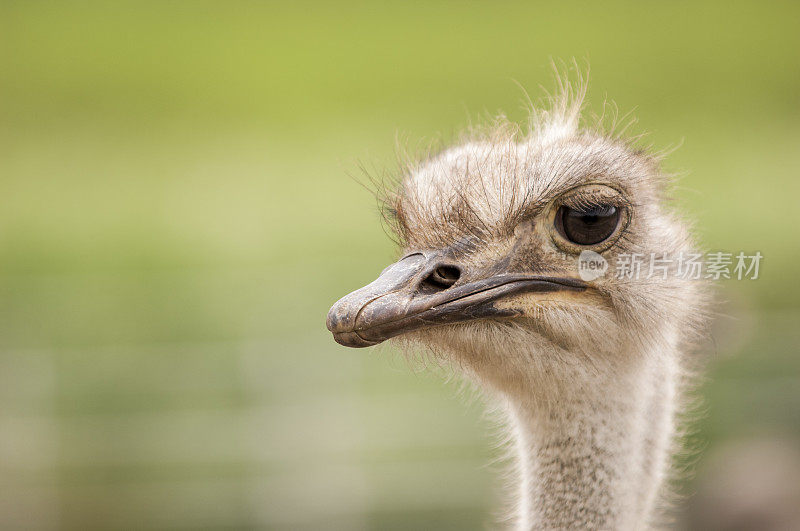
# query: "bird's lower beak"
410,295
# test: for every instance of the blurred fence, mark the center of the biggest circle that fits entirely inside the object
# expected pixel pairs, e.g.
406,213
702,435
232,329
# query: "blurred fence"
239,434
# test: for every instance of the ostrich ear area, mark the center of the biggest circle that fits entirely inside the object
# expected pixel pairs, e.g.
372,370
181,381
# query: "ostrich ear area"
429,289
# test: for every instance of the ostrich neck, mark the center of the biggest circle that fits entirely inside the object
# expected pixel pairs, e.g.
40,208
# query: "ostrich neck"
594,453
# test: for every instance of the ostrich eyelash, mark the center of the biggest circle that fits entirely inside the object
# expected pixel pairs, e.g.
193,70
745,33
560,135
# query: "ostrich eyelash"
583,202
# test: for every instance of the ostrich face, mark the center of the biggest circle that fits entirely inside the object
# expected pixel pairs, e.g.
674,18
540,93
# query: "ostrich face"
492,231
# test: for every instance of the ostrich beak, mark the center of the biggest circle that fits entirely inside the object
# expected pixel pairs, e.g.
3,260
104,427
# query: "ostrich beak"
408,295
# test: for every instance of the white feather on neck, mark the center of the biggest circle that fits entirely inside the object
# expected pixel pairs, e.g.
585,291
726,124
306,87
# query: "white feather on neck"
595,457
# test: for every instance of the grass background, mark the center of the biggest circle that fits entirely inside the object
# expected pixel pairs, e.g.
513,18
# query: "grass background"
176,217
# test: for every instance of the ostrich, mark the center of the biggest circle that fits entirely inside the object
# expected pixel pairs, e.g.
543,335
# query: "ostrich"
587,363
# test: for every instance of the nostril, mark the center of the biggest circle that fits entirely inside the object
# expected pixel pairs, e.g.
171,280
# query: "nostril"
441,278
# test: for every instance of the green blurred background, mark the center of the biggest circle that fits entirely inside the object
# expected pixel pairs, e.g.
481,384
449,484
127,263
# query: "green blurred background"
177,214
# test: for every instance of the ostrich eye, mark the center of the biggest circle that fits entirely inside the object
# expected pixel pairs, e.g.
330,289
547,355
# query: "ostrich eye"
587,226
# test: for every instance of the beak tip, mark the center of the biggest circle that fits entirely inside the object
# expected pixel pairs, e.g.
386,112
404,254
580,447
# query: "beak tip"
331,321
340,322
339,317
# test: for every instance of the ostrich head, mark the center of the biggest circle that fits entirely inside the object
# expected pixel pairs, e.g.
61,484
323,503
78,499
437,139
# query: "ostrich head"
543,265
494,234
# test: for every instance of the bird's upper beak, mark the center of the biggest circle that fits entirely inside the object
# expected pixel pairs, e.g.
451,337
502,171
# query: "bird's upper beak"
408,295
